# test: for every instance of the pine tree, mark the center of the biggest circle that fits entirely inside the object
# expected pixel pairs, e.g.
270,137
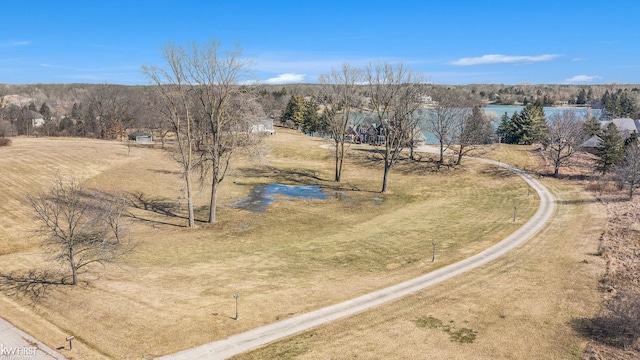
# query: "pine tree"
505,129
611,150
294,113
524,128
533,126
592,127
311,120
45,111
582,97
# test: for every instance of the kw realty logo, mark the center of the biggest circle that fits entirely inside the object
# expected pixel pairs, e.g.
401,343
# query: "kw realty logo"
17,353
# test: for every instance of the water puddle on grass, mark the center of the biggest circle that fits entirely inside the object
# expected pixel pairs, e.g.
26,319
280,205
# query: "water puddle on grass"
262,195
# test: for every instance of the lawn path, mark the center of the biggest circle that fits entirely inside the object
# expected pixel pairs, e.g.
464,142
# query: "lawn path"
236,344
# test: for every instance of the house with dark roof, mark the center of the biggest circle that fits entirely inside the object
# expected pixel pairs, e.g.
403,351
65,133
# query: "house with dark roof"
626,127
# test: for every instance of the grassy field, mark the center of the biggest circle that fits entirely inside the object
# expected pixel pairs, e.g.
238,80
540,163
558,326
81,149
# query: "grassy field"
176,291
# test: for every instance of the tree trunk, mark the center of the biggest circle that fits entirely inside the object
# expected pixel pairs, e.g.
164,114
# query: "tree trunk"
556,162
441,152
192,221
459,161
214,200
385,178
74,267
339,157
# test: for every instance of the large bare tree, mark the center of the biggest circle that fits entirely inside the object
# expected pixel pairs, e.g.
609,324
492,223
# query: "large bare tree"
566,132
79,227
395,94
108,110
202,94
451,107
339,97
473,131
227,109
176,106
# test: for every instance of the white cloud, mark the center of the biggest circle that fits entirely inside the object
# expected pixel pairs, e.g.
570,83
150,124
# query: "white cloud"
15,43
502,59
582,78
287,78
53,66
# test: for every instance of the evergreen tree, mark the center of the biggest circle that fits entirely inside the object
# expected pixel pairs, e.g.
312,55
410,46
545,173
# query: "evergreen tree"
311,120
582,97
45,111
611,150
619,105
592,127
33,107
524,128
294,113
505,129
533,126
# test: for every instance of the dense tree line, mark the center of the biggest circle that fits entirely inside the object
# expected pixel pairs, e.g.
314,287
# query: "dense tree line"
104,110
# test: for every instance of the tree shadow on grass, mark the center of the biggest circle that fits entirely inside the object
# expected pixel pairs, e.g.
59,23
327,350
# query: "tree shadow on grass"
497,172
158,205
278,175
618,327
34,284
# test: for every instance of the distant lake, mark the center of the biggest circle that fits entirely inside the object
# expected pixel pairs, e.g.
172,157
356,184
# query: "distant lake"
496,111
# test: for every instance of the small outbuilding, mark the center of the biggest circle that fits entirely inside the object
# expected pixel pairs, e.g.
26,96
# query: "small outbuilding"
141,137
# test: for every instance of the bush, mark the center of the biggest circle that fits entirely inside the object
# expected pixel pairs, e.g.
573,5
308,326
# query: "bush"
5,142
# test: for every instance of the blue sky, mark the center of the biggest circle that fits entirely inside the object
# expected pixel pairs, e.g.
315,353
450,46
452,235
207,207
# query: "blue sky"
450,42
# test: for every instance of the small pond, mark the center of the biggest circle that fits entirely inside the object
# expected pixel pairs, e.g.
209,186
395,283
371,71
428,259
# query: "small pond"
262,195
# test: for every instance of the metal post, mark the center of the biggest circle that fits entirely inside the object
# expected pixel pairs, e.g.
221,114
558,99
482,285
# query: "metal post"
515,208
236,296
69,340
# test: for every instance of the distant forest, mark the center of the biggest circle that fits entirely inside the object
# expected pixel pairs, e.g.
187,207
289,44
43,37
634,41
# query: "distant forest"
109,111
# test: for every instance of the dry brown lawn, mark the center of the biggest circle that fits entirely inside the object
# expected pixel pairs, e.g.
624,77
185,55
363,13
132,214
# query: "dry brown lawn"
176,290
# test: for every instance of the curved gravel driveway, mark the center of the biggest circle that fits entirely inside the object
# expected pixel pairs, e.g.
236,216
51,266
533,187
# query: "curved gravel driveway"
236,344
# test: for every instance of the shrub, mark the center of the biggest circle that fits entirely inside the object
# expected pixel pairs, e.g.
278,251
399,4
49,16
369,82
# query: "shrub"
5,141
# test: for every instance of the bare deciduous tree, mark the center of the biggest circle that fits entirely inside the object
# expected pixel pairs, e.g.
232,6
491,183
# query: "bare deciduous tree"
211,112
108,110
443,121
566,132
628,171
175,105
395,94
339,97
78,229
472,131
227,109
